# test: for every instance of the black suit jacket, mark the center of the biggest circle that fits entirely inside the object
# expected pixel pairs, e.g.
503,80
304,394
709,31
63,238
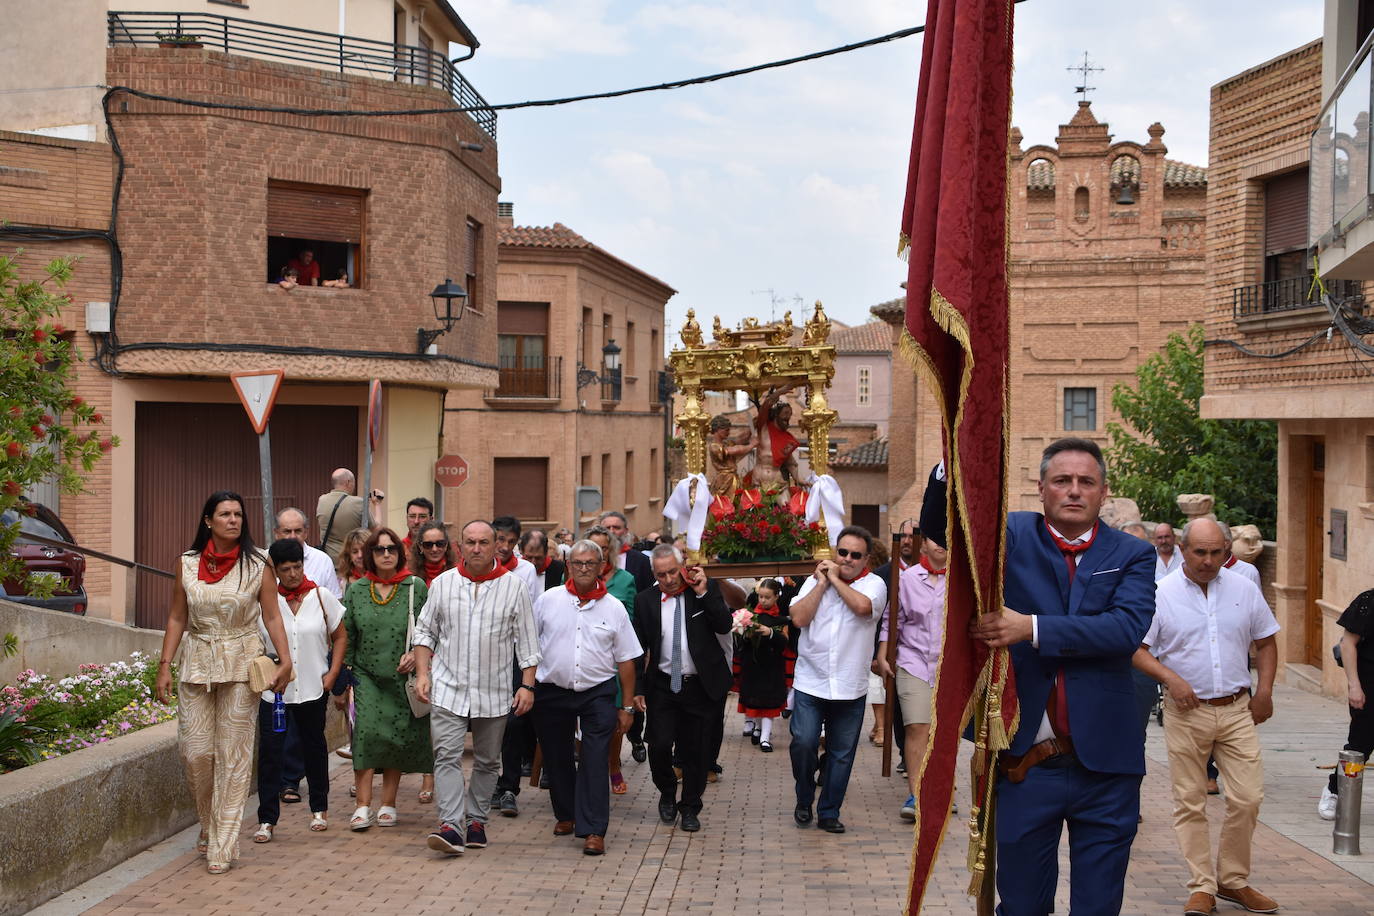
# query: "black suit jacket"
554,575
706,616
638,565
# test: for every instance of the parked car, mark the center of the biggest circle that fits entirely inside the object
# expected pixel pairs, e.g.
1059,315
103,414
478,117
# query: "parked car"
66,568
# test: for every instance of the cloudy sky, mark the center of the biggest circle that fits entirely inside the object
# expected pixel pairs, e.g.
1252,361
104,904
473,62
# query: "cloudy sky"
792,180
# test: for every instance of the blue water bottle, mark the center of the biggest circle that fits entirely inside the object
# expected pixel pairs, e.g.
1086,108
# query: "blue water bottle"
278,713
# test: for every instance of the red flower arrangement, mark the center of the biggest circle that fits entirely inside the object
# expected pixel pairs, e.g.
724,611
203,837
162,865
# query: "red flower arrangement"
767,530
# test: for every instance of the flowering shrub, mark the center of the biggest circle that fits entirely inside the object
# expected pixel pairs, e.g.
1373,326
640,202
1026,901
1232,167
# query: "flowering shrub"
96,704
765,530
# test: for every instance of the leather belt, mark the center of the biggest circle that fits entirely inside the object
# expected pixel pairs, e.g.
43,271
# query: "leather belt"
1227,700
1014,768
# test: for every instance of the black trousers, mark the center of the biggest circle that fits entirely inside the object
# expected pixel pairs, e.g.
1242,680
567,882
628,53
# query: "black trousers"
517,746
717,736
1361,735
685,720
309,720
580,790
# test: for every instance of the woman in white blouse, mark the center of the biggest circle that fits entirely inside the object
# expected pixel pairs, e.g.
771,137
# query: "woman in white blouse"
313,620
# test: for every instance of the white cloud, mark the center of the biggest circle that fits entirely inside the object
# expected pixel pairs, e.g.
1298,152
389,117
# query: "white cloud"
537,31
636,174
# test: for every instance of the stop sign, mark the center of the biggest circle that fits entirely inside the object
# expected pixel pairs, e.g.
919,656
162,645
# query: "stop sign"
451,471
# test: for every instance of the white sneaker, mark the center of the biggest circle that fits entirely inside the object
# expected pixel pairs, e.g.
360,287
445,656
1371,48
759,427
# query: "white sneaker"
1326,805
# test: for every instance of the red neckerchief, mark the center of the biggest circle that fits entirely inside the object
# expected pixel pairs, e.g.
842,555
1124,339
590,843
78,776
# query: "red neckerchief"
1229,563
548,561
215,566
406,541
511,564
856,578
681,587
433,569
1068,550
925,564
401,575
358,573
497,571
625,548
297,593
598,591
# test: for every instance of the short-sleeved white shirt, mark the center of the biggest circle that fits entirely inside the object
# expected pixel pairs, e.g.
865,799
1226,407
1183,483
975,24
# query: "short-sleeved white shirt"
582,643
1205,639
1245,569
836,648
308,634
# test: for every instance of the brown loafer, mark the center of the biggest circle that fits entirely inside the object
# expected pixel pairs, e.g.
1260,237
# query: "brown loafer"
594,846
563,828
1248,898
1200,904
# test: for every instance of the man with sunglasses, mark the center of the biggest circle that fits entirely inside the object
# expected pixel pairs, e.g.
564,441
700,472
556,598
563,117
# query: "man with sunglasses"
837,611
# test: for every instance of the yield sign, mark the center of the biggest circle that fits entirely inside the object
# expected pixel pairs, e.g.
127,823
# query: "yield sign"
257,391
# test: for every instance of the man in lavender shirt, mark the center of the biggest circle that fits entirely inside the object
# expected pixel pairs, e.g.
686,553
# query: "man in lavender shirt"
920,630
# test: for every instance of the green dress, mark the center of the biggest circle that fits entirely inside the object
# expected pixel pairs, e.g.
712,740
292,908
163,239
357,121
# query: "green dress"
385,734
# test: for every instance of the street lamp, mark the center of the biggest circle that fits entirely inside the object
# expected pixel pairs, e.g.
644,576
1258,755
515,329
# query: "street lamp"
610,367
446,293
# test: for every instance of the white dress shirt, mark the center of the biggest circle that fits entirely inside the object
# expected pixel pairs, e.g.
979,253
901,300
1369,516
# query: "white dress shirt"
667,612
308,633
319,568
1245,569
1205,638
472,628
1045,732
1163,568
582,643
836,648
534,582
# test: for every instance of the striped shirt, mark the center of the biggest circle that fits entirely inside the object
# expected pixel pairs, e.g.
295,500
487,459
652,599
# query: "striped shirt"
472,629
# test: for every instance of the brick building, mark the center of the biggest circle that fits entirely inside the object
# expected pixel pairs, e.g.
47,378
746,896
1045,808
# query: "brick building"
1106,259
558,418
1289,179
213,202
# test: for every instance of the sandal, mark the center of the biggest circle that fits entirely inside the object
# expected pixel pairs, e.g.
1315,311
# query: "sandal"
203,843
318,823
218,868
618,786
291,796
766,747
426,796
361,819
264,834
386,816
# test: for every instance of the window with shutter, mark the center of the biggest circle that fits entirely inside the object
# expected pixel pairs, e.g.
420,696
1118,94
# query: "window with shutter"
329,222
521,488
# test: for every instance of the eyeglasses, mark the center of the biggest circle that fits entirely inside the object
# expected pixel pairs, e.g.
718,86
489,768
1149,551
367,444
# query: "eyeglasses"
585,564
428,545
386,548
846,554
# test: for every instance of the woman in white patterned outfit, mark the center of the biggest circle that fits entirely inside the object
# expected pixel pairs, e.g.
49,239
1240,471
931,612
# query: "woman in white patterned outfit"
223,587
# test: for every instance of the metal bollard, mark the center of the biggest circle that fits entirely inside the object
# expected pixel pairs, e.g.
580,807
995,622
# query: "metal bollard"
1345,836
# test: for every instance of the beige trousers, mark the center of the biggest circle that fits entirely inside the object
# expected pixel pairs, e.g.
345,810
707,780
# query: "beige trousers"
1228,734
216,729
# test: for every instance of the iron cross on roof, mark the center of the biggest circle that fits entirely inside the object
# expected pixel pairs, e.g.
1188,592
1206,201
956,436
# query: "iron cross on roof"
1083,70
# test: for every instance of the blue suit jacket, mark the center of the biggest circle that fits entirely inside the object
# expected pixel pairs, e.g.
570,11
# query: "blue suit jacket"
1090,629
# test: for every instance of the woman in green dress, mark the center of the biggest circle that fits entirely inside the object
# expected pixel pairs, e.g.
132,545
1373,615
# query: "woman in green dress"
386,736
620,584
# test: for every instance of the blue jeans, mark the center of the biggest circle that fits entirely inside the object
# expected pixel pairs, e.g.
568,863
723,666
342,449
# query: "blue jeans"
843,719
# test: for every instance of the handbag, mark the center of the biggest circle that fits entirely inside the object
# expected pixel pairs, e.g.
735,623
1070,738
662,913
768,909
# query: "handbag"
418,707
261,671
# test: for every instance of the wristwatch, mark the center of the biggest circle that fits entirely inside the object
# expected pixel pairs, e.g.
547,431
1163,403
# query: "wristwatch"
627,709
525,687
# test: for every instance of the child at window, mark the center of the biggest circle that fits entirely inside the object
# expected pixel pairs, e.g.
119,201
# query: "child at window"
288,279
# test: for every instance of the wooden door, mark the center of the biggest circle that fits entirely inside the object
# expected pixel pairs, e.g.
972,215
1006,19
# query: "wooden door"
1316,552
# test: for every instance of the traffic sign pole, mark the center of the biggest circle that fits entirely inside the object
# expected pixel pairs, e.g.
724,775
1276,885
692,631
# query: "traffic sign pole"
265,467
374,429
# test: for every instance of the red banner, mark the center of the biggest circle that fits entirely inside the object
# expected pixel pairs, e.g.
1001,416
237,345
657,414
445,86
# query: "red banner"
954,235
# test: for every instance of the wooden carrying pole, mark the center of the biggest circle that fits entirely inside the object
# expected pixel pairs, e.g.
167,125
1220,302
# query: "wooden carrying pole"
894,607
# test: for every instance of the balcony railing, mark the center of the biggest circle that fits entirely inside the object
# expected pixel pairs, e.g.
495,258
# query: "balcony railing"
529,377
1288,295
1339,180
324,50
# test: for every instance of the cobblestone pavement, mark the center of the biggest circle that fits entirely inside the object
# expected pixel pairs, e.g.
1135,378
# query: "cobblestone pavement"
748,858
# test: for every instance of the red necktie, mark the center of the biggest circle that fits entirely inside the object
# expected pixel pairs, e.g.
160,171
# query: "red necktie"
1058,705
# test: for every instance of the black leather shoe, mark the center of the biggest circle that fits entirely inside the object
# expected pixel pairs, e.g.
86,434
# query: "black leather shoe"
830,825
802,815
690,822
667,811
639,752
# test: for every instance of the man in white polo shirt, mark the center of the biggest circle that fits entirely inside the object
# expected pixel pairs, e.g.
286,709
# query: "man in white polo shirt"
837,611
1206,618
1167,556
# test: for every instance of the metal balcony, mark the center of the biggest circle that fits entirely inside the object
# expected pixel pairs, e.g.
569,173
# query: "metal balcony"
1291,294
529,377
322,50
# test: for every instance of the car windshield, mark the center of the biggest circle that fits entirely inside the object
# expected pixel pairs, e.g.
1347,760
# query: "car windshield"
29,525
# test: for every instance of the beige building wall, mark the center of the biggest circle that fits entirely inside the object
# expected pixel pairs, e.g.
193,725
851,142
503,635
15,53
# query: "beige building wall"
47,47
411,431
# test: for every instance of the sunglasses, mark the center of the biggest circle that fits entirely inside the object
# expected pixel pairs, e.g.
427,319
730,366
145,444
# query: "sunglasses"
386,548
431,544
846,554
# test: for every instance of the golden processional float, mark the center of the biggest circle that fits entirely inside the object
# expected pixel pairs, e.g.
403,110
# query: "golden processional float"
758,516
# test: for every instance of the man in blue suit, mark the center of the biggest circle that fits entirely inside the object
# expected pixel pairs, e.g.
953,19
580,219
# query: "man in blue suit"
1078,597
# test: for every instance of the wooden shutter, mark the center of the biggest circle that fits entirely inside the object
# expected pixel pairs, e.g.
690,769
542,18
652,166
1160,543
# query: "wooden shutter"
1285,212
521,488
525,318
322,214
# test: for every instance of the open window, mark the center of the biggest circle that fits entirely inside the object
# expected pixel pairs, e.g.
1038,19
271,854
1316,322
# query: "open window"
329,222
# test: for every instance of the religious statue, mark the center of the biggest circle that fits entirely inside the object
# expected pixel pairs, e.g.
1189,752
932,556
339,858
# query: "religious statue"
777,460
723,456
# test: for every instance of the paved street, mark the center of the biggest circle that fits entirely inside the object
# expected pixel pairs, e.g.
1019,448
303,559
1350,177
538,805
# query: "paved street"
748,858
